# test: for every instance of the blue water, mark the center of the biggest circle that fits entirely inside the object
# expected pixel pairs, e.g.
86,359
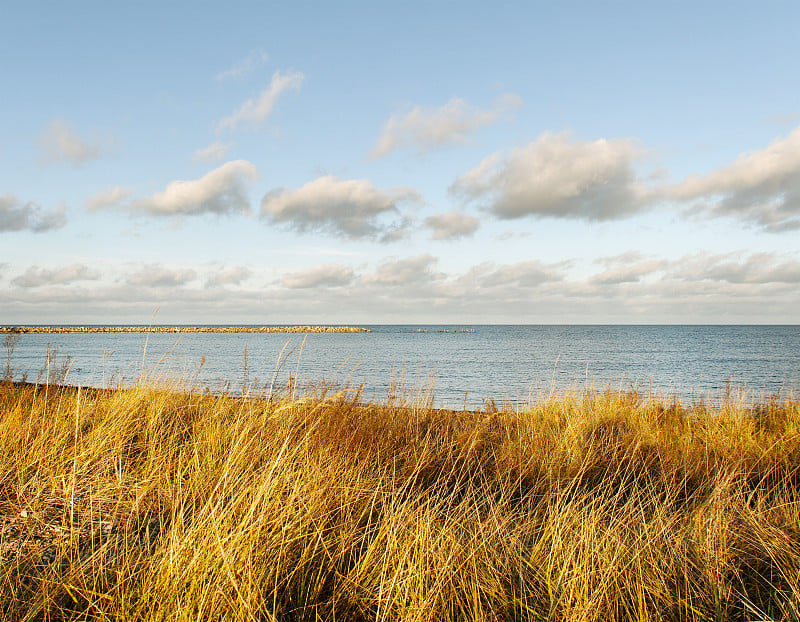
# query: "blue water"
508,364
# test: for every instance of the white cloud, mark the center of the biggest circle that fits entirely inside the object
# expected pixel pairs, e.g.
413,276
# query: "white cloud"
521,274
762,187
404,271
215,152
257,110
107,198
736,269
451,225
16,216
426,129
231,276
757,268
353,208
628,273
221,191
320,275
557,177
698,288
36,277
626,258
58,142
252,61
155,275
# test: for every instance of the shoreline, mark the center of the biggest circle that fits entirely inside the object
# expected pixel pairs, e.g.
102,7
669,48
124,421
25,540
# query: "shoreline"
94,392
180,329
489,406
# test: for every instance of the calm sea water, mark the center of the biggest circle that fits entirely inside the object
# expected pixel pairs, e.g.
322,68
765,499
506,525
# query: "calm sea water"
504,363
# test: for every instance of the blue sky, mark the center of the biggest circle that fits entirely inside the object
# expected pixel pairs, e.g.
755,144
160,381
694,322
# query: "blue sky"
375,163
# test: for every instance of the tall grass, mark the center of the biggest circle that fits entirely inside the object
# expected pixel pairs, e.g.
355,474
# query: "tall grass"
151,503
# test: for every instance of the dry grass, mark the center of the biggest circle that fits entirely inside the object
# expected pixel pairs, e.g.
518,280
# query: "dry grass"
155,504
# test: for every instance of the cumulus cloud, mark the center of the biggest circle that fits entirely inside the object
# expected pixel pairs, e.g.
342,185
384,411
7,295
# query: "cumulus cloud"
628,273
215,152
451,225
520,274
353,208
320,275
257,110
762,187
18,216
627,257
731,268
221,191
252,61
231,276
426,128
107,198
557,177
757,268
58,142
155,275
697,288
408,271
36,277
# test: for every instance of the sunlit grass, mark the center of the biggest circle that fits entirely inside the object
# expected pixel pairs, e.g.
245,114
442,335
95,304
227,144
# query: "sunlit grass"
159,503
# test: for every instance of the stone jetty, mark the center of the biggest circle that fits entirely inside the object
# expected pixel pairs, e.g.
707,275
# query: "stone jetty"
182,329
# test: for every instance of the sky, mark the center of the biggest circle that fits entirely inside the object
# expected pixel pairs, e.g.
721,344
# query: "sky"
416,162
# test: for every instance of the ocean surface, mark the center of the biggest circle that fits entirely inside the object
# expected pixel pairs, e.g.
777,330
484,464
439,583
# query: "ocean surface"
456,369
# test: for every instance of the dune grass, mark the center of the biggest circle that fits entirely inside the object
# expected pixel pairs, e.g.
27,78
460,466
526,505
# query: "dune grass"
152,503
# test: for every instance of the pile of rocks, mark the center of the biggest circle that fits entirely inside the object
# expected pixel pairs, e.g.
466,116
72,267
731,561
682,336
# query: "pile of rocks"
182,329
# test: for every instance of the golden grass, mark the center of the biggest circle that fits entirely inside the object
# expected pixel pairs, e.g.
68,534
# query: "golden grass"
154,504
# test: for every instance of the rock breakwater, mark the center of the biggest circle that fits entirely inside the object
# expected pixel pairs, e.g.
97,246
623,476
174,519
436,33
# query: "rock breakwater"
182,329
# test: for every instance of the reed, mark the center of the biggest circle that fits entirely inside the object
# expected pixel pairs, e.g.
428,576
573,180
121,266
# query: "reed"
162,503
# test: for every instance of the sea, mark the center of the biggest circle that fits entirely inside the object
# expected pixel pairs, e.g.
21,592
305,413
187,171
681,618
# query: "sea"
445,366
